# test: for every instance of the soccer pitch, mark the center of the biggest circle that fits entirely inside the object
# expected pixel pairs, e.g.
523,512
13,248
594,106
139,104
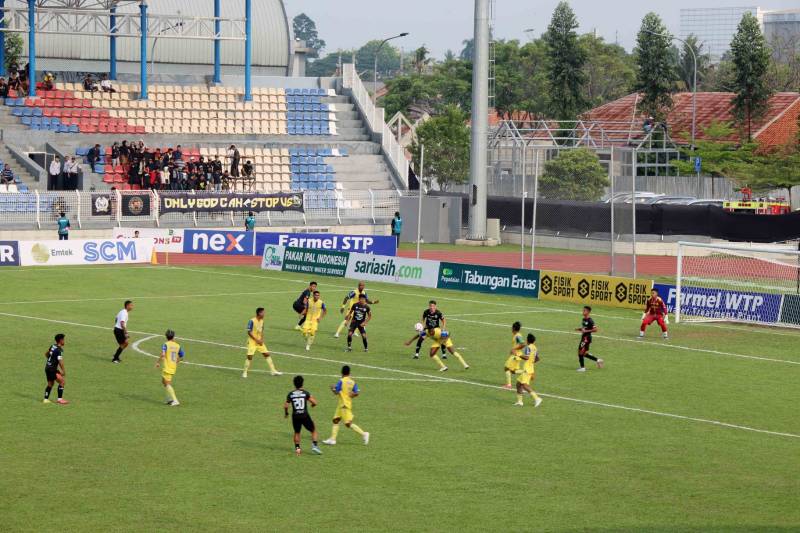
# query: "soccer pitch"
698,433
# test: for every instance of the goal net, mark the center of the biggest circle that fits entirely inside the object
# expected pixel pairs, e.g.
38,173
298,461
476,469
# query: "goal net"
737,283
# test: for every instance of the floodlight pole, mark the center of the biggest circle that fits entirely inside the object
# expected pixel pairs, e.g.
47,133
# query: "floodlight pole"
112,42
375,66
143,50
248,50
2,42
419,204
31,48
217,43
480,124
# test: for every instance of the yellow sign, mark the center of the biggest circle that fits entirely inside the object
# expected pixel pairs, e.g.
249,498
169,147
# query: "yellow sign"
594,290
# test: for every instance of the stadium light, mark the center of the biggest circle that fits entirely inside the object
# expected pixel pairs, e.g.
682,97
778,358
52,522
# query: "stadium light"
375,69
694,83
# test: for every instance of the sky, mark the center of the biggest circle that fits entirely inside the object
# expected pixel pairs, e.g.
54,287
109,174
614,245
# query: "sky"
443,24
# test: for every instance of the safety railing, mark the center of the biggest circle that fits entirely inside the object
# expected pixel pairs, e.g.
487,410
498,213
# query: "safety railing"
105,209
374,117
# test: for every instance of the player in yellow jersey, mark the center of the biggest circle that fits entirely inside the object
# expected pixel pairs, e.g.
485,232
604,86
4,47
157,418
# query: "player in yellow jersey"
349,301
345,389
517,345
255,343
441,338
171,355
530,356
315,311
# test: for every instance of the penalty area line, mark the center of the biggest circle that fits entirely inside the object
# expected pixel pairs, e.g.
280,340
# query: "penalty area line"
626,408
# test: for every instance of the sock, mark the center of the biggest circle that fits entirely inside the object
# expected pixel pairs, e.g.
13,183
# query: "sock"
438,361
580,360
590,356
247,363
296,446
47,392
341,327
349,341
364,340
535,396
519,398
419,344
357,429
302,320
310,340
460,359
334,431
315,444
271,364
117,353
171,393
508,377
60,391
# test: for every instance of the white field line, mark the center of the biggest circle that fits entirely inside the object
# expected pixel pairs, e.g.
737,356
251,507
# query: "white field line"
35,269
135,347
455,380
642,341
160,297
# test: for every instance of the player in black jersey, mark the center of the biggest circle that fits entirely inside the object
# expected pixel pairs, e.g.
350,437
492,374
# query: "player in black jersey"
432,318
359,316
299,305
587,328
54,370
299,399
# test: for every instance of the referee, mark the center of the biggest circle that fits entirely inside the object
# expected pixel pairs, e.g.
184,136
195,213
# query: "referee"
121,330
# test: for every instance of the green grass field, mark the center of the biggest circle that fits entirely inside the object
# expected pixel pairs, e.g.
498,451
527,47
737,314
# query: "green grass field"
700,433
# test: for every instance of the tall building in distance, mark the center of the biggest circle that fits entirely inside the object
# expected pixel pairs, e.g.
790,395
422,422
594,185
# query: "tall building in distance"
715,27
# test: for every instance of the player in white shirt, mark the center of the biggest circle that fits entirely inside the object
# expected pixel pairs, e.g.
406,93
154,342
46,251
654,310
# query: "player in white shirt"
121,330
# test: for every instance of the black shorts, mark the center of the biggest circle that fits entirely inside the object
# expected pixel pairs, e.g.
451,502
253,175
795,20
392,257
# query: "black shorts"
50,373
302,421
584,344
358,326
298,307
119,334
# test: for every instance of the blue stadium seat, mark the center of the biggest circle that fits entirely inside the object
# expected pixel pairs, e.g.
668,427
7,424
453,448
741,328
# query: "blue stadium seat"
74,128
37,112
11,102
17,112
26,121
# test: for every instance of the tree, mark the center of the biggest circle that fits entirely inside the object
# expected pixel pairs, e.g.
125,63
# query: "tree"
305,29
610,71
750,56
655,77
566,60
421,59
14,46
446,139
326,66
686,63
468,50
449,55
388,58
575,174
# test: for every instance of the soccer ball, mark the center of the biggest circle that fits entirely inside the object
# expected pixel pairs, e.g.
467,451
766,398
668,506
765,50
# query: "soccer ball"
418,327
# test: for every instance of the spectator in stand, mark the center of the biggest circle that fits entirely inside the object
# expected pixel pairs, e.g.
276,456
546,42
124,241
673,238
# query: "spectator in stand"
164,177
48,81
63,227
154,172
93,155
202,184
177,155
13,80
3,88
55,183
217,165
105,85
115,154
248,175
216,177
23,78
7,176
89,84
233,155
67,171
226,181
74,172
124,153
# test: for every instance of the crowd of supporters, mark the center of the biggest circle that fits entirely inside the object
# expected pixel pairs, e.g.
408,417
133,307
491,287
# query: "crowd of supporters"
171,169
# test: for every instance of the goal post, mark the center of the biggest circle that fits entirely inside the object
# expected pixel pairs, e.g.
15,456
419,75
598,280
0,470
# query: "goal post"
737,283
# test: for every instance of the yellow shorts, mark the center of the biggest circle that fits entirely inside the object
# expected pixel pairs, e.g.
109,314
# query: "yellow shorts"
345,413
447,343
166,376
525,378
310,329
252,347
512,363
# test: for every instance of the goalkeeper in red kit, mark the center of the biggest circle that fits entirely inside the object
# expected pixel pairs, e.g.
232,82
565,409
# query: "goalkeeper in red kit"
656,311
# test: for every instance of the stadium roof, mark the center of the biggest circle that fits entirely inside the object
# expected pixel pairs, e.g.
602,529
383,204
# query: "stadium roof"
777,127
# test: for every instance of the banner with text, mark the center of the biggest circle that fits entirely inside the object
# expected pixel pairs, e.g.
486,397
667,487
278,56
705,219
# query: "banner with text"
9,254
594,290
164,240
272,258
494,280
723,304
184,202
315,262
85,252
369,244
416,272
218,242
